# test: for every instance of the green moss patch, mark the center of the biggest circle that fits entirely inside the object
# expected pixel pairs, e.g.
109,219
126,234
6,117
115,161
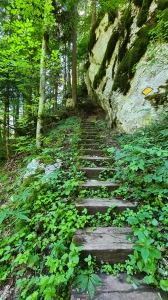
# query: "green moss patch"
132,57
157,99
138,2
111,16
143,13
162,4
92,39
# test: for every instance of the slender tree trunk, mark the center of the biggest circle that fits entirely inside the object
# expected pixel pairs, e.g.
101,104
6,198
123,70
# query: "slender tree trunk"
93,12
74,79
69,66
55,98
6,118
39,128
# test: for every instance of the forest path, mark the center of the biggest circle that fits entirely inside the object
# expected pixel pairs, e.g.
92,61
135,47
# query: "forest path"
106,243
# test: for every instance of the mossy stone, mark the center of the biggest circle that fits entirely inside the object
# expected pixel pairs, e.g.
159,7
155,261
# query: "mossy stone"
111,16
165,15
111,45
143,13
132,57
92,39
138,2
108,54
162,4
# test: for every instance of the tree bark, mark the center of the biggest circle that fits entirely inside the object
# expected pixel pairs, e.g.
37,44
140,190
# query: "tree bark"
93,12
74,76
6,118
39,128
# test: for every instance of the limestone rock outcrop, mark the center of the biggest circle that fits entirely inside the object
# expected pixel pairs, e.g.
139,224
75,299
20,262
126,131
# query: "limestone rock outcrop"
127,76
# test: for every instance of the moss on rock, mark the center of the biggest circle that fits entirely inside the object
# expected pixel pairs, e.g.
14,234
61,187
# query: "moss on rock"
92,39
162,4
143,13
111,16
108,54
132,57
138,2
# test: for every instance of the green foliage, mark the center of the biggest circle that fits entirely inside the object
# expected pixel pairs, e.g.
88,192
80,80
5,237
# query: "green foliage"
109,5
86,280
39,219
160,32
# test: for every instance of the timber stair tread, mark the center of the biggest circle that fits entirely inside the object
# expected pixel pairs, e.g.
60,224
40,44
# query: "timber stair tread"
116,288
95,157
101,205
95,184
106,243
93,151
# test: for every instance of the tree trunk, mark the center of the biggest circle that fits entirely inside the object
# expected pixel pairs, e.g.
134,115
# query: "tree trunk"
74,37
93,12
6,118
39,128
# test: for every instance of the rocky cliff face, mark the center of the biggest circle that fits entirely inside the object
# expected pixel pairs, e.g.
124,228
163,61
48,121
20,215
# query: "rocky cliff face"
128,78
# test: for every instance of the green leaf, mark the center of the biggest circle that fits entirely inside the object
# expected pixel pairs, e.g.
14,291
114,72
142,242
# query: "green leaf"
82,281
149,279
155,253
96,280
140,265
164,284
145,253
91,289
154,222
2,216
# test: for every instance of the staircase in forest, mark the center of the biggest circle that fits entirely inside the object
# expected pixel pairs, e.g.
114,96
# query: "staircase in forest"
106,243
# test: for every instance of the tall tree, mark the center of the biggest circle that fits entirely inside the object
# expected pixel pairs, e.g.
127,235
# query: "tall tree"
93,5
74,66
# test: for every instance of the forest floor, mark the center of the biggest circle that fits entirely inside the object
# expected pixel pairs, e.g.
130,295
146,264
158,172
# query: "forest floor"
38,216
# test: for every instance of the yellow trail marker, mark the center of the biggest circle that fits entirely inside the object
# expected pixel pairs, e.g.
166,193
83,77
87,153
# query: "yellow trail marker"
147,91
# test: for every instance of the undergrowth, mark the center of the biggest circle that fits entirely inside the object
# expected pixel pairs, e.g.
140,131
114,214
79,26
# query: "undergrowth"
38,215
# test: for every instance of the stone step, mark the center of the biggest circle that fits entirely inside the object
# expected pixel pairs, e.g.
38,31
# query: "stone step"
106,243
94,205
116,288
94,172
96,184
92,152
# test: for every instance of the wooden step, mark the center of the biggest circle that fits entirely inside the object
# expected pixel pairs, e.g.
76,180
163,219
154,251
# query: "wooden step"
94,205
106,243
93,131
90,136
90,141
93,151
96,158
95,171
96,184
117,288
90,146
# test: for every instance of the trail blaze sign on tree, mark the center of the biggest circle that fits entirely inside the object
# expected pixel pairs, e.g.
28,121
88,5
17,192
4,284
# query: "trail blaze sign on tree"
147,91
